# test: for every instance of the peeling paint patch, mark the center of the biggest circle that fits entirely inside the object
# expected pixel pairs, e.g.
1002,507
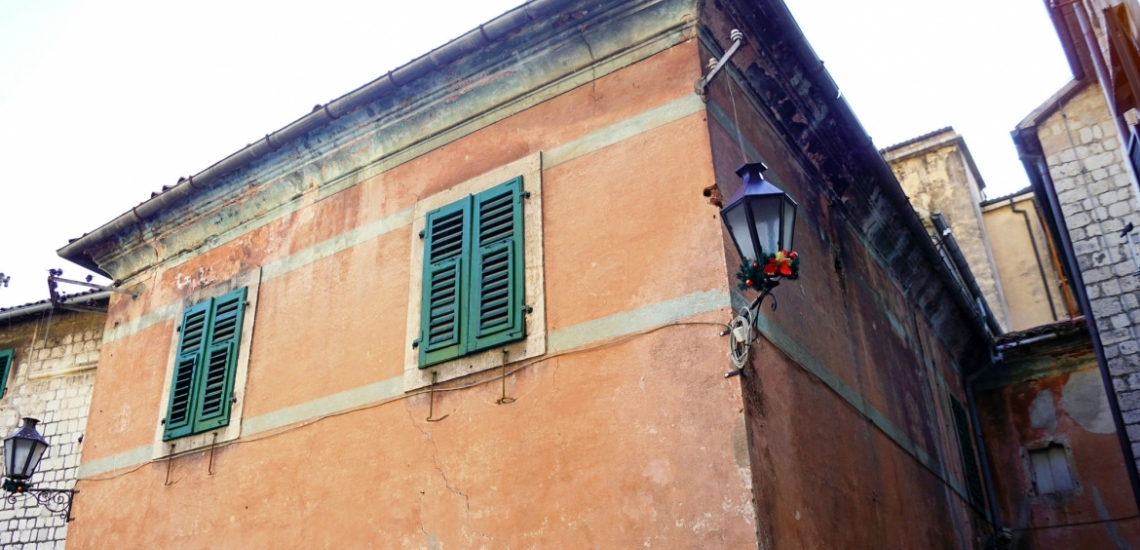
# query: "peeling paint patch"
1085,402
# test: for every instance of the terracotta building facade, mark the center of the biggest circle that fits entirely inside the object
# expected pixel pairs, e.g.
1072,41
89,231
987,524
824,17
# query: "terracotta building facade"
478,303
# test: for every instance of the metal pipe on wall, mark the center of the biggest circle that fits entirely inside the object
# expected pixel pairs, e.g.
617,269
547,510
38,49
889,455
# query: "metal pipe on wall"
1036,256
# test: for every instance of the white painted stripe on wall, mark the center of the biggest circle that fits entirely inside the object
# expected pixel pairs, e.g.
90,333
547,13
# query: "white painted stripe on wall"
339,243
618,324
635,320
324,406
630,127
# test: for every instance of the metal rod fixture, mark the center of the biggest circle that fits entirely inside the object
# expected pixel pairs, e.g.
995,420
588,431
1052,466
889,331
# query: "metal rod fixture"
702,86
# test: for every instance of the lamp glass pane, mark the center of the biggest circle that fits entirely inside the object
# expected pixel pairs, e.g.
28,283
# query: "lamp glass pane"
766,217
789,224
37,453
737,220
23,448
9,450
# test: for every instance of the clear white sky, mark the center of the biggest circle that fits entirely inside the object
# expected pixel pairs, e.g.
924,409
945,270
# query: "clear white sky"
103,102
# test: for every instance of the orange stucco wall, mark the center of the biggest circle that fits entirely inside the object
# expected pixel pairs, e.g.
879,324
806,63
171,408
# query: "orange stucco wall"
621,443
848,414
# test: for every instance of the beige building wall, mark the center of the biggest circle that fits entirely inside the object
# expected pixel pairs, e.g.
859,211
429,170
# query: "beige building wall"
1025,262
938,174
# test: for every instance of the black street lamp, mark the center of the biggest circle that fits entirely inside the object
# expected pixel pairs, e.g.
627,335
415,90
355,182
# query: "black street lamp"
760,217
23,451
761,220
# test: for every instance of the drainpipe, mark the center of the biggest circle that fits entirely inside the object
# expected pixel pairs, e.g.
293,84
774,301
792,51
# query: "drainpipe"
1036,255
980,443
951,247
1036,163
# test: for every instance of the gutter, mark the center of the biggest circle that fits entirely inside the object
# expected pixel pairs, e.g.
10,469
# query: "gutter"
473,41
17,312
950,245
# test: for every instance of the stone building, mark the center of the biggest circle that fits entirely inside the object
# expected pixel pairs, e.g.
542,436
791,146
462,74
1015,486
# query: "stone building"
1080,149
479,303
939,176
1080,174
1027,262
48,360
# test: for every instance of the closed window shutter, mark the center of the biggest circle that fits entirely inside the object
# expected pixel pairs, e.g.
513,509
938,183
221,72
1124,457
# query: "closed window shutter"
495,299
191,341
966,446
446,247
216,379
5,369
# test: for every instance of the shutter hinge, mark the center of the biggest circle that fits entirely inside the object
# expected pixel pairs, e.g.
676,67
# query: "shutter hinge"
421,234
526,194
527,309
415,343
233,397
178,328
163,421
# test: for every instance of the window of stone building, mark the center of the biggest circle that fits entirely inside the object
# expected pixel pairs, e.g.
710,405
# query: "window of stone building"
1050,469
202,386
207,367
476,299
6,358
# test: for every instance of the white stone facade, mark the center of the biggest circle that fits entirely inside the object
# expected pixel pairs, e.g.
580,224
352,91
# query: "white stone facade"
51,379
1098,199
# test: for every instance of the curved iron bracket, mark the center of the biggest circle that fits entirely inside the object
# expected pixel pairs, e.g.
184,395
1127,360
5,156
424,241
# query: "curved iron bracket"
742,328
57,501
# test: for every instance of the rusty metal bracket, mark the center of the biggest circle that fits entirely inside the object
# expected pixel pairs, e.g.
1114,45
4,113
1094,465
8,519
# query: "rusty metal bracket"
702,85
60,300
431,401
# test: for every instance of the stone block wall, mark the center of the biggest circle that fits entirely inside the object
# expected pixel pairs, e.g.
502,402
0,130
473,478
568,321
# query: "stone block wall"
51,378
1098,199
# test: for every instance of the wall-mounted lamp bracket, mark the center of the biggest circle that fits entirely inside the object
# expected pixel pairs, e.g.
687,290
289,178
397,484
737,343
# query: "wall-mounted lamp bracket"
741,333
57,501
61,300
702,85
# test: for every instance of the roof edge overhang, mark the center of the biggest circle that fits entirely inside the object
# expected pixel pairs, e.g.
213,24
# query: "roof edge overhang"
78,250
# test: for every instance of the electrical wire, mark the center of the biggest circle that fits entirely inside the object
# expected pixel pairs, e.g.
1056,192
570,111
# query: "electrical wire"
1076,524
401,397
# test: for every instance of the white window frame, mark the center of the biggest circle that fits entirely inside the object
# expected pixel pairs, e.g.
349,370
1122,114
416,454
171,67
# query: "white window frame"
252,281
530,168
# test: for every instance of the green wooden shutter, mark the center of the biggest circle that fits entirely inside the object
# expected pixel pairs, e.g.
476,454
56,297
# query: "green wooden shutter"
446,245
191,341
216,379
966,446
495,299
5,369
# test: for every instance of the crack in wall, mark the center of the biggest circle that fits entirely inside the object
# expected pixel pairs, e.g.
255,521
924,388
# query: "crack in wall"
446,481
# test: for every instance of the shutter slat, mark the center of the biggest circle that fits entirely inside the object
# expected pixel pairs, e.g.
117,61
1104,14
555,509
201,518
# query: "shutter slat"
446,243
496,296
5,367
178,416
216,371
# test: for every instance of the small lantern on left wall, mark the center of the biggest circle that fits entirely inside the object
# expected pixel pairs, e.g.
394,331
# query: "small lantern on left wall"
23,451
761,220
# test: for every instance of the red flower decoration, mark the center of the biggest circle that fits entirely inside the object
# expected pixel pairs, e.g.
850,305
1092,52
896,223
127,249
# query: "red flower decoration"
780,263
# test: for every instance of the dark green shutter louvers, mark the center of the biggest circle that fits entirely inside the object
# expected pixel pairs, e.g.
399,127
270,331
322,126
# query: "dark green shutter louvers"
473,275
204,372
446,244
497,284
966,446
5,369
